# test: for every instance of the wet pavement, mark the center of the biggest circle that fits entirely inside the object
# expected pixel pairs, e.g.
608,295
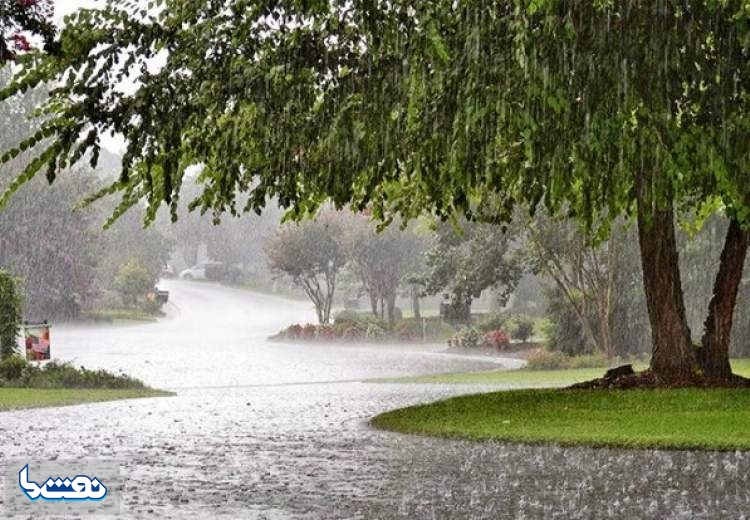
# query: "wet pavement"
266,430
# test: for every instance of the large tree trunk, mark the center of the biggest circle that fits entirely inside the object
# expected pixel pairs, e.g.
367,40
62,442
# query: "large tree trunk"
714,352
673,359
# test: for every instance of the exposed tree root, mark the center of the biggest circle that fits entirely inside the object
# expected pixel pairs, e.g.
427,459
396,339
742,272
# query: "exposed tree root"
625,378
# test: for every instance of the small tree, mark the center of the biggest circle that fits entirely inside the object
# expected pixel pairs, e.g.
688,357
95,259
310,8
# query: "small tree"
311,254
133,281
10,314
523,330
381,261
468,260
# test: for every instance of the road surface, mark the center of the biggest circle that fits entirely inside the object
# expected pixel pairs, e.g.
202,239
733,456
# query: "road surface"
269,430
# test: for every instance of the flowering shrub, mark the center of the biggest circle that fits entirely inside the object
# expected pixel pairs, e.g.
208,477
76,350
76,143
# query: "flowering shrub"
375,331
466,337
326,332
351,333
294,331
309,331
496,339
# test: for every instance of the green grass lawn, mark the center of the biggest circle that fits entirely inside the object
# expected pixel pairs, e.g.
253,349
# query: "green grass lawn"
685,418
16,398
533,378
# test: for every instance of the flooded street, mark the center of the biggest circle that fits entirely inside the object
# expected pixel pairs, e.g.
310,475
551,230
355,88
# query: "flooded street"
270,430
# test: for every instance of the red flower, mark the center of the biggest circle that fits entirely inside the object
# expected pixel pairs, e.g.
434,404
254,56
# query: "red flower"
21,43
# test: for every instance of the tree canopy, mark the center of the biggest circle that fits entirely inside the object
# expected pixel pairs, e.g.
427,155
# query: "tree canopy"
408,105
595,109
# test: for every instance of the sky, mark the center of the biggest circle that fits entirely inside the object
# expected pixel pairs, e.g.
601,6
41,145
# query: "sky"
64,7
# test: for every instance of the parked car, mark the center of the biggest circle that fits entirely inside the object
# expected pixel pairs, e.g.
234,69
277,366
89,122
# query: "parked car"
200,271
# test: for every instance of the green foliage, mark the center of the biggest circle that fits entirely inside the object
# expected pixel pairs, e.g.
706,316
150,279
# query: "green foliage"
10,314
493,321
15,372
547,360
468,260
466,337
311,254
564,330
437,106
523,329
12,368
133,282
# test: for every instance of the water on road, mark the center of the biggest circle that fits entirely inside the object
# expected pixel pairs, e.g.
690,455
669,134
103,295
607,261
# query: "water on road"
269,430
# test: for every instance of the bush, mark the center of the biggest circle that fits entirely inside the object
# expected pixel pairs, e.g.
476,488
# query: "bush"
347,317
375,331
12,368
351,333
546,360
564,331
326,332
309,331
466,337
62,375
496,339
523,330
293,331
133,282
495,321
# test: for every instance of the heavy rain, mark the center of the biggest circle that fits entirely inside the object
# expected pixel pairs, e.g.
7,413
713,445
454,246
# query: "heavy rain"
343,259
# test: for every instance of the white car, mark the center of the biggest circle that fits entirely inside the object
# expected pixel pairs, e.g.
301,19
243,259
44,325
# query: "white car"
198,271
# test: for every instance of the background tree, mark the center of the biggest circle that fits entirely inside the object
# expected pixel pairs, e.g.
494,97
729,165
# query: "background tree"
382,260
10,314
311,254
584,275
470,258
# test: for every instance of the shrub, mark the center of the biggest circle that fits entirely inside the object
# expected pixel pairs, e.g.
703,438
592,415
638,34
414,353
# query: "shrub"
294,331
347,317
309,331
375,331
546,360
12,368
496,339
326,332
133,282
495,321
523,330
466,337
63,375
151,307
351,333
